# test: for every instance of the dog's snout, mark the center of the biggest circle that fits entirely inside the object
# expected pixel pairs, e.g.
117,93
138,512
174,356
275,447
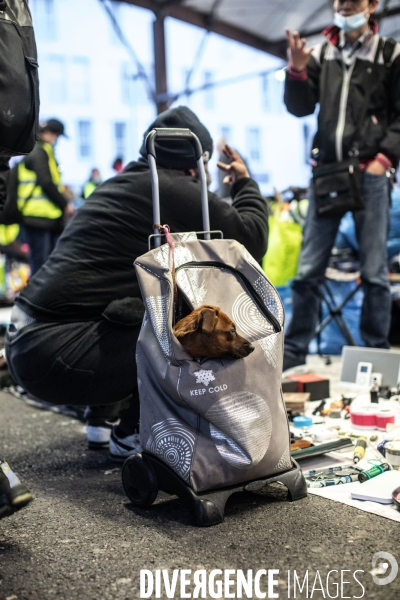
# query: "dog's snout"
248,349
244,350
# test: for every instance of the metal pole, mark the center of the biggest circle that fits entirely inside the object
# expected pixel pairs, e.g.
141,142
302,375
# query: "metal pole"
204,198
156,197
160,63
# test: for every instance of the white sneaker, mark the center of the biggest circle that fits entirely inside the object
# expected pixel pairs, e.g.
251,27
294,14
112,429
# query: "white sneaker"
123,447
98,437
98,432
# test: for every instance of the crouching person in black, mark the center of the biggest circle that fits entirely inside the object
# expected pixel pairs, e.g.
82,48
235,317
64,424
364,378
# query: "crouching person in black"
74,328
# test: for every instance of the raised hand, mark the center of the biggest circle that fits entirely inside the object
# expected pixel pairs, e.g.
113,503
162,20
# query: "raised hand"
236,169
298,54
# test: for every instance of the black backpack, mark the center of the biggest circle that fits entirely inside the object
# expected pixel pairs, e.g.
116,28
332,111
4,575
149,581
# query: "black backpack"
19,85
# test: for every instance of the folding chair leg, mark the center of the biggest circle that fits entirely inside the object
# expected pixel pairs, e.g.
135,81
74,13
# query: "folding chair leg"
335,314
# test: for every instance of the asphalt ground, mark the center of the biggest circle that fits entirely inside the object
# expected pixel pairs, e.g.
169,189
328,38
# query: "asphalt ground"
80,539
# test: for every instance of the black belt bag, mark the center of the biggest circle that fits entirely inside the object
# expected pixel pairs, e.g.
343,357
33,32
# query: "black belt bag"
337,187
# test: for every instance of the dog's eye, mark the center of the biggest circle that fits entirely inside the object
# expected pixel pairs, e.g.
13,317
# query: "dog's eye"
233,331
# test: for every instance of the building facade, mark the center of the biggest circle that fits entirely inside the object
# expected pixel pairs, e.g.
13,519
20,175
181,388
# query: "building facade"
93,81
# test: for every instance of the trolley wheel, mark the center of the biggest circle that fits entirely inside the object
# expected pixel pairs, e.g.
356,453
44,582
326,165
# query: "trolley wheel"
139,481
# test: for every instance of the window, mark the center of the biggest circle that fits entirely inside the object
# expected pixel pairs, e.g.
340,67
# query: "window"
276,94
254,143
44,19
133,85
140,90
79,80
261,177
226,133
209,96
85,141
126,83
265,91
120,139
53,79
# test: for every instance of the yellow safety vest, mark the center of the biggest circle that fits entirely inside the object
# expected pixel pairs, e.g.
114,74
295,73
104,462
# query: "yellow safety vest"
32,201
8,233
89,188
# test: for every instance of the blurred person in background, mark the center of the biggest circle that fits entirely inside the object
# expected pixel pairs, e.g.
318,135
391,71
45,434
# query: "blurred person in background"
10,245
42,199
118,165
94,181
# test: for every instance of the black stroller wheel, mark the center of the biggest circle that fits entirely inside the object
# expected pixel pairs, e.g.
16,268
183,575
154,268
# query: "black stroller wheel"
139,481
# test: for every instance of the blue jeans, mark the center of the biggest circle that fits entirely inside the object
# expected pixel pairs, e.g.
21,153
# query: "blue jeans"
372,225
41,244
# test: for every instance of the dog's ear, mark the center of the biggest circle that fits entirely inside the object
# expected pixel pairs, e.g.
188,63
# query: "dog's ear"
201,319
208,320
188,324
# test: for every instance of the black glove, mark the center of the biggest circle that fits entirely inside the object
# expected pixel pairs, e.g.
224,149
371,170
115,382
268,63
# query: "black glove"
125,313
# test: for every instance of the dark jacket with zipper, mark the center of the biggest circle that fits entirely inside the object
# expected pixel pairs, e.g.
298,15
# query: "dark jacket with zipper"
341,93
92,264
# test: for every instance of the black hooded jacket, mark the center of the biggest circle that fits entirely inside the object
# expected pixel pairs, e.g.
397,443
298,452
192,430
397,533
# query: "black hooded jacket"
92,264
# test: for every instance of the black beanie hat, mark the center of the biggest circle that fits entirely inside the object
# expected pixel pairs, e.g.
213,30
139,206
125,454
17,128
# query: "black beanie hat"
178,155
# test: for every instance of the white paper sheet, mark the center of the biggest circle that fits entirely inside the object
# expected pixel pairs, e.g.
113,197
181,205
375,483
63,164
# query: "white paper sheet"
342,493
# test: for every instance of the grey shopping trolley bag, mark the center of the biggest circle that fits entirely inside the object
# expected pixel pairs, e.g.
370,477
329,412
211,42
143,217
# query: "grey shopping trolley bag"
208,427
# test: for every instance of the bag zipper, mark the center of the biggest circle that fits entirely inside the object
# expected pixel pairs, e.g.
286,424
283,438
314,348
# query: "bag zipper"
246,284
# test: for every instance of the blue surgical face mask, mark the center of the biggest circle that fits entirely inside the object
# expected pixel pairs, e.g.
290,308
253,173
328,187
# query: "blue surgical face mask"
352,22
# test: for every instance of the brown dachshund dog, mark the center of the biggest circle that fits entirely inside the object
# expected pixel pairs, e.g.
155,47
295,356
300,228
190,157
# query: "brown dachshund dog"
210,333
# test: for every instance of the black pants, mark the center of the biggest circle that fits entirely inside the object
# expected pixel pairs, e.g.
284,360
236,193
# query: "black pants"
41,244
90,363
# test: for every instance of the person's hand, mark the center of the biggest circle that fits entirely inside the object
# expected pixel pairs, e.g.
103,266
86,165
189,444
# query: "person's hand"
69,210
298,54
376,168
236,168
68,193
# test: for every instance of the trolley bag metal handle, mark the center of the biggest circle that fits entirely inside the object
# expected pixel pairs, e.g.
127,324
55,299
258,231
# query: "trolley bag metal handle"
176,135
